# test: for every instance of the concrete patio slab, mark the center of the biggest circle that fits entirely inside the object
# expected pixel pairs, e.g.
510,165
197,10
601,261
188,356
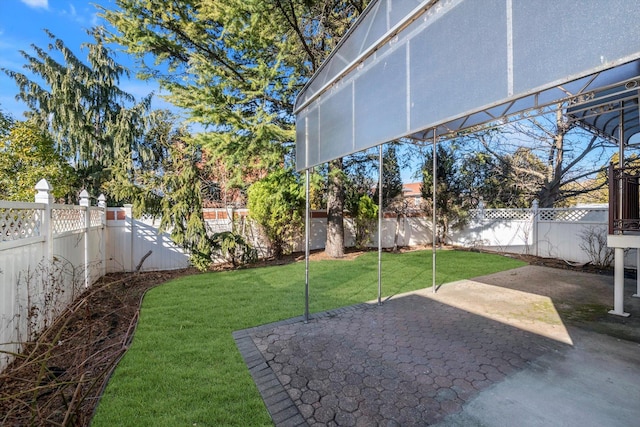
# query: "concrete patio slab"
488,352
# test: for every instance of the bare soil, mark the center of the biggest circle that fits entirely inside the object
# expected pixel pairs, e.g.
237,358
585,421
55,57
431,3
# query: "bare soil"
58,379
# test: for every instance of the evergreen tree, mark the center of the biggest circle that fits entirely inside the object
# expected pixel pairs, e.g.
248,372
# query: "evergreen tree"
182,202
95,125
237,66
449,209
168,182
6,122
115,144
276,202
361,170
483,177
391,179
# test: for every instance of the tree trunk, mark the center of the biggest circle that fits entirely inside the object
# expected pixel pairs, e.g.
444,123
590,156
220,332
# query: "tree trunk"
550,193
335,206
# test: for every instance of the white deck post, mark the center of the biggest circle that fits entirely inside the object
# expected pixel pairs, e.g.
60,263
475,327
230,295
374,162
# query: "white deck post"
637,294
618,284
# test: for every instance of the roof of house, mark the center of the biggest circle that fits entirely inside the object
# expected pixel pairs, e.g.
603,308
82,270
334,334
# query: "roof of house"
412,189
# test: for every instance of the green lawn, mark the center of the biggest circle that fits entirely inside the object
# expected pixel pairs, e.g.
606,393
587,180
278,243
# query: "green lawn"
183,368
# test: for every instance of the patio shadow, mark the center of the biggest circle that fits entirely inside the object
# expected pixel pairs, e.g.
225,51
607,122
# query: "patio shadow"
412,361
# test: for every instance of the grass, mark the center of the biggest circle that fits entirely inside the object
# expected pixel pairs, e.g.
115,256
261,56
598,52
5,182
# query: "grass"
183,368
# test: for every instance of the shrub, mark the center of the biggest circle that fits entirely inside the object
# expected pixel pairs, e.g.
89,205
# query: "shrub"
364,220
234,248
594,243
276,203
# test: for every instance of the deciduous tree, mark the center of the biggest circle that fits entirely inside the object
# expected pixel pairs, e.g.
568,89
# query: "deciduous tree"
27,155
550,158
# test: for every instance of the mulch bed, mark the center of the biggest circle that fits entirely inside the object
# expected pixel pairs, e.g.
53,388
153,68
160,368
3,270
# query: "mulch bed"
59,378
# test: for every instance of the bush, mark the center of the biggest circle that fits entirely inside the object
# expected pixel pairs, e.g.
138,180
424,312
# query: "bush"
234,248
276,203
364,220
594,243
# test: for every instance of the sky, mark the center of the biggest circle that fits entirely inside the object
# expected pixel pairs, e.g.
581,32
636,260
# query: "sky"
22,24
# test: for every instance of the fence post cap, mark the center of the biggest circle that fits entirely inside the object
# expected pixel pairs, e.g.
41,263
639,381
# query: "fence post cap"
102,201
84,198
44,192
43,185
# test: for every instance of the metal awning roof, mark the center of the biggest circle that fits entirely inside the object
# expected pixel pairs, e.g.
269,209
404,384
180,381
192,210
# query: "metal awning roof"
603,110
411,68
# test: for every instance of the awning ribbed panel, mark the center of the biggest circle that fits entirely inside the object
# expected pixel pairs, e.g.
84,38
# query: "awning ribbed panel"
408,67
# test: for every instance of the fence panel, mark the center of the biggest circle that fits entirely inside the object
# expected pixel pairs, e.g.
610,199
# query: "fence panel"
562,232
49,254
133,243
501,230
552,233
17,264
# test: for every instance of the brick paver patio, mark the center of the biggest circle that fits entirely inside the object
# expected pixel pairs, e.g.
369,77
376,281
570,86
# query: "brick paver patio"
411,361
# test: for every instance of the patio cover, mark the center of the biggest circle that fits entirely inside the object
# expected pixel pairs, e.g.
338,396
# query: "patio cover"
612,112
423,69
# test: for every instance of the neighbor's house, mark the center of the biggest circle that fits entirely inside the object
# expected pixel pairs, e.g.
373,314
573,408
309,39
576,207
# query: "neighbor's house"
412,193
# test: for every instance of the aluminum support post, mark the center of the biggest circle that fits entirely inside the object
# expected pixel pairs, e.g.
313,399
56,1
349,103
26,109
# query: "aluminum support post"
434,236
380,214
306,248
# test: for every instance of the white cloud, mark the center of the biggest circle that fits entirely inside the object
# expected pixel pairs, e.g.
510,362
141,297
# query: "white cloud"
72,14
84,16
44,4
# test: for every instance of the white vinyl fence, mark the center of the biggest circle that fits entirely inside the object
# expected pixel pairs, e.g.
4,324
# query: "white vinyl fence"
50,253
137,244
551,233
